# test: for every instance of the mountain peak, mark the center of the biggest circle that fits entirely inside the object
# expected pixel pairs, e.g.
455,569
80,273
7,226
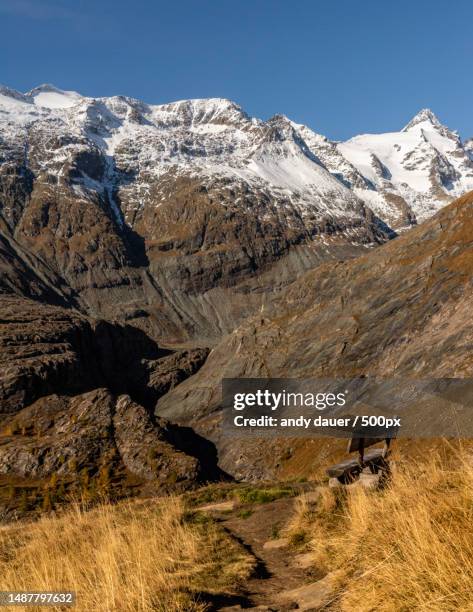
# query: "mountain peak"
424,115
45,87
279,118
50,96
202,111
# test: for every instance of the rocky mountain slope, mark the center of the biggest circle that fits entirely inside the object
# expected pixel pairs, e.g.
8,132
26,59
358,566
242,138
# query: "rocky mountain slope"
402,310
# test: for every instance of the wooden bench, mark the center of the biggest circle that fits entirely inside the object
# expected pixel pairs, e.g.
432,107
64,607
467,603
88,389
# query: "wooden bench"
375,460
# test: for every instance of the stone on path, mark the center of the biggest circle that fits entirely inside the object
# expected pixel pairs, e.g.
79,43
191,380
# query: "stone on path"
312,596
279,543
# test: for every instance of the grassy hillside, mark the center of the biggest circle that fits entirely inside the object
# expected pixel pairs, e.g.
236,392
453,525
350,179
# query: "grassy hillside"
132,557
408,547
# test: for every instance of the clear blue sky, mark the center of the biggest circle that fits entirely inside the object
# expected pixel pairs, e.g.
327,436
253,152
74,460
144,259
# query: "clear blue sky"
342,67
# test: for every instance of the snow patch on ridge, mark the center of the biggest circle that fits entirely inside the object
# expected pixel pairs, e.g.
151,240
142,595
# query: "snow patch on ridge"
48,96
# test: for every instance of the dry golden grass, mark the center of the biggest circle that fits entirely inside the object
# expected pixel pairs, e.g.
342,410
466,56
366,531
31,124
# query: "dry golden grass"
127,557
409,547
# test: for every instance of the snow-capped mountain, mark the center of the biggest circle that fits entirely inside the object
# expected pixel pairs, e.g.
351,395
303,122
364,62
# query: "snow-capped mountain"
153,212
213,138
402,176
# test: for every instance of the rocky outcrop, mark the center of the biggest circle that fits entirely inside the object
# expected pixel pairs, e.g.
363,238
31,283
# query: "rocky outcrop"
46,349
167,372
144,450
58,435
75,408
93,437
43,349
